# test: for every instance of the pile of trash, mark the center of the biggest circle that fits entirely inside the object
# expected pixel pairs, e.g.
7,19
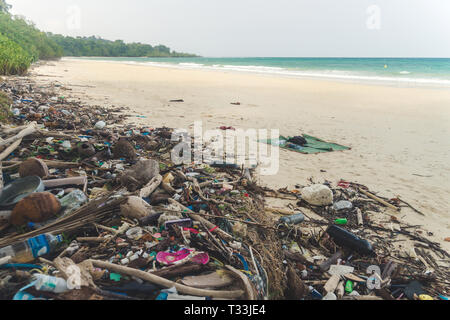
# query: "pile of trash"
92,207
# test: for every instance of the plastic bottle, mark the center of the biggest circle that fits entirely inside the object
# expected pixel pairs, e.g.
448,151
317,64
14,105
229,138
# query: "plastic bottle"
29,250
349,286
343,221
73,201
343,205
330,296
294,219
50,284
315,295
347,239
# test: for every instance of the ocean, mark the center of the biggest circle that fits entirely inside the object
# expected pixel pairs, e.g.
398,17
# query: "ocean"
401,71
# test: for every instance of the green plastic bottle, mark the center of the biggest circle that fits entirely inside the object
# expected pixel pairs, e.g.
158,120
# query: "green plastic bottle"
349,286
341,221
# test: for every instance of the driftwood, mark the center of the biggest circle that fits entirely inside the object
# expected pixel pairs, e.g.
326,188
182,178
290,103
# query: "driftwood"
386,204
49,163
10,149
279,211
332,283
235,294
30,129
179,270
151,186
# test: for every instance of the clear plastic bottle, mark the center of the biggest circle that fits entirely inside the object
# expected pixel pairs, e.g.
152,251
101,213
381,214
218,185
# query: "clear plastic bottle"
50,284
29,250
294,219
73,201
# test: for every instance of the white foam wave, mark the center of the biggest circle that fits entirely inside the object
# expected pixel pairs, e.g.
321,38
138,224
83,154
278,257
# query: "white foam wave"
322,74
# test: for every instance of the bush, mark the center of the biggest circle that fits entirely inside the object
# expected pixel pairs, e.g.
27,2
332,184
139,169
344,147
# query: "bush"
5,102
13,59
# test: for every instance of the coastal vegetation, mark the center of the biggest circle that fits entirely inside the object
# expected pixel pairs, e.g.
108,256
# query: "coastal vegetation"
98,47
21,44
4,107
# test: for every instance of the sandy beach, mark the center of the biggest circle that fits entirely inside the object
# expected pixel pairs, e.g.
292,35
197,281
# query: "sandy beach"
399,135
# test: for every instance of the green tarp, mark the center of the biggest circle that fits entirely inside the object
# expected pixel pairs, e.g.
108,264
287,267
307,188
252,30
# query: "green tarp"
314,145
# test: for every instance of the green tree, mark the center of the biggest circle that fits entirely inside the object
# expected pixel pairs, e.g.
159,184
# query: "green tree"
4,7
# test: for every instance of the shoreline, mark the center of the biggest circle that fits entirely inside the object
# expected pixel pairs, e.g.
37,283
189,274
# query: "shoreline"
383,125
286,73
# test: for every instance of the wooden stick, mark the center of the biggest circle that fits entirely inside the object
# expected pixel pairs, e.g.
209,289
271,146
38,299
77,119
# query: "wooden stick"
379,200
30,129
419,212
280,211
10,149
151,186
167,283
49,163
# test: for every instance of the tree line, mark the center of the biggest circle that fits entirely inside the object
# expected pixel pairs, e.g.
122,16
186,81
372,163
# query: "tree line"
21,44
98,47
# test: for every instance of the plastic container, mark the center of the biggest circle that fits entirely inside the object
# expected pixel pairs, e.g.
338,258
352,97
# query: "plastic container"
100,125
294,219
330,296
343,205
29,250
315,295
19,189
349,240
50,284
73,201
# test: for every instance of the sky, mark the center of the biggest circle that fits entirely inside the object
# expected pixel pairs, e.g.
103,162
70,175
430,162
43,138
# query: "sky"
256,28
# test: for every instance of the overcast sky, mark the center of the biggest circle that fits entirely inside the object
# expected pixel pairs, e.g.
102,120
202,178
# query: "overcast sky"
223,28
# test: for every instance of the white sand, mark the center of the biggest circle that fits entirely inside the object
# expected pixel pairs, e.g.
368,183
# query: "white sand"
399,136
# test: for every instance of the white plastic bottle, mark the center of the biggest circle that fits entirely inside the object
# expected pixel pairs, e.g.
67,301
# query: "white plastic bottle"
50,284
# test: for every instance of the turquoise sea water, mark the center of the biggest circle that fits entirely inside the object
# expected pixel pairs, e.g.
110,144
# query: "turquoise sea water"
408,71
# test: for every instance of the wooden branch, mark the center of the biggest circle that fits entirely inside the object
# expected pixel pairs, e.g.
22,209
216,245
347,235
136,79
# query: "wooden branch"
379,200
30,129
10,149
179,270
167,283
151,186
279,211
49,163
